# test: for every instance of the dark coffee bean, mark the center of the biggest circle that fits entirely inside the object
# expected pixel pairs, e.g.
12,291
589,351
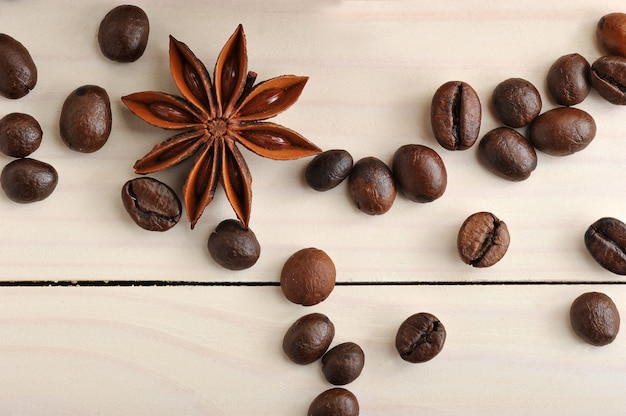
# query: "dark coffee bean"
420,338
507,153
86,119
455,115
608,77
568,79
595,318
335,402
605,240
123,33
419,173
28,180
562,131
153,205
371,186
20,135
516,102
483,240
234,246
18,73
611,33
308,277
308,338
343,363
328,169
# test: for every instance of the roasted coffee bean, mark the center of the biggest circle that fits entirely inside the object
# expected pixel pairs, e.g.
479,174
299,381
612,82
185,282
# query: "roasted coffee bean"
343,363
335,402
234,246
608,78
20,135
595,318
507,153
562,131
328,169
85,121
605,240
420,338
516,102
611,33
455,115
371,185
308,338
568,79
28,180
419,172
483,240
18,73
153,205
123,33
308,277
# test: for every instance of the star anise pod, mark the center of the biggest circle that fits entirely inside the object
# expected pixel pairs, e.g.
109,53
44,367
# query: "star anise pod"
215,116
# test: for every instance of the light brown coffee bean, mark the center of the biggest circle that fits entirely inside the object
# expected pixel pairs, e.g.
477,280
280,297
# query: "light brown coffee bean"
482,240
308,277
86,120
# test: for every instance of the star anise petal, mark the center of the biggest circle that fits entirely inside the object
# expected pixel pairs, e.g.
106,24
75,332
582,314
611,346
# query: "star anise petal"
231,73
163,110
270,98
172,151
237,181
274,141
199,189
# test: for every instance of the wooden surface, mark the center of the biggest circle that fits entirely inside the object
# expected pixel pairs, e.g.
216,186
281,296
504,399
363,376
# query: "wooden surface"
191,338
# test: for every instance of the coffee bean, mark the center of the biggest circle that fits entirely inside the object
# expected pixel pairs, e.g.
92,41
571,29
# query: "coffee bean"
18,73
308,338
455,115
123,33
328,169
516,102
153,205
562,131
20,135
595,318
28,180
483,240
343,363
420,338
335,402
611,33
608,78
371,186
308,277
568,79
419,172
234,246
605,240
507,153
85,121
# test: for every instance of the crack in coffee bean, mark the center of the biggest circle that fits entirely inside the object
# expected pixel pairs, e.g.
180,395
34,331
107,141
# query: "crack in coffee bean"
605,240
144,213
482,240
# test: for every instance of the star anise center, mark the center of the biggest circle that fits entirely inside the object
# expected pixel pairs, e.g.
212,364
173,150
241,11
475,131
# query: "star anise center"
217,127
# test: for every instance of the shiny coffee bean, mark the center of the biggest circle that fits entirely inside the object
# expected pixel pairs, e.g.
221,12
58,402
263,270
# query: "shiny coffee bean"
308,277
516,102
123,33
420,338
328,169
18,73
308,338
482,240
608,78
371,186
568,79
508,154
562,131
151,204
334,402
20,135
234,246
605,240
28,180
419,172
85,121
455,115
595,318
611,33
343,363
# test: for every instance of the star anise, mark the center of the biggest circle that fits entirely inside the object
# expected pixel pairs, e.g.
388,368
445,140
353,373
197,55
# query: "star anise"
215,116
